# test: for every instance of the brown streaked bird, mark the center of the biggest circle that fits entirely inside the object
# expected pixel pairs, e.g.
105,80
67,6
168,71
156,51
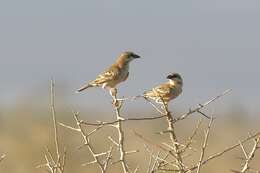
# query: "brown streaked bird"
166,91
115,74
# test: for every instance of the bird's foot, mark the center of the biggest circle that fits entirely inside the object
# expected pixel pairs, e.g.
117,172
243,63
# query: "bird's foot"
117,103
113,92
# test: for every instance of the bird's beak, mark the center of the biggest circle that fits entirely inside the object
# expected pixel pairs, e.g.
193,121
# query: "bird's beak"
135,56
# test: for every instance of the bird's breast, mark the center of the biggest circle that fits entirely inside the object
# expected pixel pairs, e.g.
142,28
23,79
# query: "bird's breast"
123,73
122,76
175,92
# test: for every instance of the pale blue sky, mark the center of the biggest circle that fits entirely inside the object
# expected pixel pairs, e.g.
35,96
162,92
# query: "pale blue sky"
214,44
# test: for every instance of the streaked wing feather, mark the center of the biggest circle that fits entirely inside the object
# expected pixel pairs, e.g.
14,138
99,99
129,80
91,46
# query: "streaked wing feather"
159,91
108,75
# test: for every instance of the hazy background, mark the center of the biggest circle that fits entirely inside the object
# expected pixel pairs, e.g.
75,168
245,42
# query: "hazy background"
214,44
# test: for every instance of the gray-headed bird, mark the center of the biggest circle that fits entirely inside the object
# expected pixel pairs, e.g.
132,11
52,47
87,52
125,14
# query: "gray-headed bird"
167,91
115,74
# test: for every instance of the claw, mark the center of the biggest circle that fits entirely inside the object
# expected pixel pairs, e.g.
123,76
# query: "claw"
115,102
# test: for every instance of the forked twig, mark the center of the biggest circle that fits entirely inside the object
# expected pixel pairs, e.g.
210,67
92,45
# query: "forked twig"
216,155
204,145
58,165
121,137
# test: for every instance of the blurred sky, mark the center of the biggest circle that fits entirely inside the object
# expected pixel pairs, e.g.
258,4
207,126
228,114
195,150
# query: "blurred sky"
214,44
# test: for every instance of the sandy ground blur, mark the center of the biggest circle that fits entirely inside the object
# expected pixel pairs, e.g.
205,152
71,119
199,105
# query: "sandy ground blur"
26,130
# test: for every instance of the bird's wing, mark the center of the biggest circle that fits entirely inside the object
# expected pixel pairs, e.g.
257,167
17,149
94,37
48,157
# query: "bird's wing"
159,91
110,74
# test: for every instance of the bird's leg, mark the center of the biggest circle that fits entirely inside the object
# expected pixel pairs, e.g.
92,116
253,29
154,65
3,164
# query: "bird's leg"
164,107
113,93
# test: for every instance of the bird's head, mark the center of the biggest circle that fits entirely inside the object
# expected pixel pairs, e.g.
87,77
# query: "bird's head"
175,78
126,57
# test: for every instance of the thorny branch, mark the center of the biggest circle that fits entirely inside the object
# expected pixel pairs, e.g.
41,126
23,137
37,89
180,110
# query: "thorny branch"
248,157
121,137
102,164
204,145
197,109
173,138
190,139
182,117
174,152
58,165
216,155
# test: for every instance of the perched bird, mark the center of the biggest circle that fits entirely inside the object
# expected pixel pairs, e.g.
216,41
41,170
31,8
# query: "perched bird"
115,74
166,91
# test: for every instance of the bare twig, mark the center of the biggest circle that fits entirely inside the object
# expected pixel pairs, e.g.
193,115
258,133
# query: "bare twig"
154,144
250,156
117,107
150,162
103,166
182,117
204,145
53,111
175,150
109,157
157,158
216,155
190,140
174,139
58,165
99,123
197,109
243,149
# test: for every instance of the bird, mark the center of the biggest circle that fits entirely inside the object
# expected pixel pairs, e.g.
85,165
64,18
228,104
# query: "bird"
165,92
118,72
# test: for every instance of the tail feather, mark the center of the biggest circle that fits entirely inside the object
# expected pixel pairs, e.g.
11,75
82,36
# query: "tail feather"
84,87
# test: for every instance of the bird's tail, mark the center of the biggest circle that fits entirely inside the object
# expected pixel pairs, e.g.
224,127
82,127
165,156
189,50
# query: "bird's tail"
83,88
